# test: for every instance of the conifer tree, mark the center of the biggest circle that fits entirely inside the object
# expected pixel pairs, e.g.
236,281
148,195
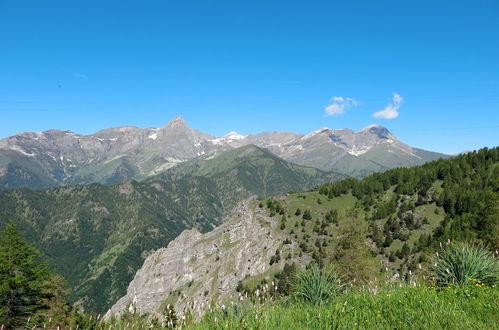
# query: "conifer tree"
353,257
22,277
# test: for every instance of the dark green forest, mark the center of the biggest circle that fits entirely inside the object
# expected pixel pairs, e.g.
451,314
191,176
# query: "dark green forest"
466,187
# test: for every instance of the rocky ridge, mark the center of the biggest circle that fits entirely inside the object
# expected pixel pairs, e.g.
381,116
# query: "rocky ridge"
54,158
196,269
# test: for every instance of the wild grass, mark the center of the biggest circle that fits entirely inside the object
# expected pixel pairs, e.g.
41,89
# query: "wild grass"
471,306
407,307
461,262
317,286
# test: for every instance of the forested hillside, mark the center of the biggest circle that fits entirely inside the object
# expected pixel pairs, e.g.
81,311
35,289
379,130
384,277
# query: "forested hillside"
393,221
466,188
387,227
98,236
382,229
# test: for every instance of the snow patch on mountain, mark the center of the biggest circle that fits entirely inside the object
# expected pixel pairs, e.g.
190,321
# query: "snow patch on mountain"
358,151
218,141
234,136
20,150
311,134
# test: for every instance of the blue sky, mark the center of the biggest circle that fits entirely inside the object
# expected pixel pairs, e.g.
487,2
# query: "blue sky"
254,66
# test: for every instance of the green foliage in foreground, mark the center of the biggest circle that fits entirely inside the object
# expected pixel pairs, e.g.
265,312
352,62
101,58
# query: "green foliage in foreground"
30,294
470,307
317,286
460,263
22,278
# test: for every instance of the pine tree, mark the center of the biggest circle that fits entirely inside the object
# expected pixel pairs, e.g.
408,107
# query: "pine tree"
405,250
353,258
22,278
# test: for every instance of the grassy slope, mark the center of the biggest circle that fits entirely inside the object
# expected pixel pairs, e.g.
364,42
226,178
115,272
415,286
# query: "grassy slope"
256,169
429,217
391,308
306,234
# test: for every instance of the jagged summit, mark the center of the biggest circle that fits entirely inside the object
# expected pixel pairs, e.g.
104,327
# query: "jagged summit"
177,122
379,132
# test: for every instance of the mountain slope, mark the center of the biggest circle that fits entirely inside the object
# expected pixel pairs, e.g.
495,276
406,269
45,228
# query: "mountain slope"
200,268
371,149
54,158
385,226
98,236
256,169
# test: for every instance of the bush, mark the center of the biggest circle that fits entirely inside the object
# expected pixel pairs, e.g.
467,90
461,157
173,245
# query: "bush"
317,286
460,263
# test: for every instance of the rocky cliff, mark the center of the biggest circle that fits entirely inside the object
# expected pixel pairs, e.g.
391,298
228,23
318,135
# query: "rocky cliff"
196,269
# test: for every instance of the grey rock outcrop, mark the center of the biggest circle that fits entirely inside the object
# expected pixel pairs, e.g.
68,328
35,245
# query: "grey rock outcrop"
196,269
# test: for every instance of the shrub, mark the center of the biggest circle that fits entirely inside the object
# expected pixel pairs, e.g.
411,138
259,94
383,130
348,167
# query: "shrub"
460,263
317,286
307,215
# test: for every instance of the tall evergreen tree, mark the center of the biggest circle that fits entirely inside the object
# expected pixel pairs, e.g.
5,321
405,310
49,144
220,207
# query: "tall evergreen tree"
353,259
22,277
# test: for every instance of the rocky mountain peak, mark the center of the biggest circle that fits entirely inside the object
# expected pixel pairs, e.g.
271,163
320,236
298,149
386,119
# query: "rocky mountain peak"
177,123
56,157
56,132
378,130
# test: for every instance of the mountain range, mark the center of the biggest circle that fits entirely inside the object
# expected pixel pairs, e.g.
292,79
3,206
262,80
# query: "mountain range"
101,203
54,158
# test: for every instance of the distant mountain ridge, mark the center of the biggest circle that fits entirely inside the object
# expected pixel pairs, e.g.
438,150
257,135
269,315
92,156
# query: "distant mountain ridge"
54,158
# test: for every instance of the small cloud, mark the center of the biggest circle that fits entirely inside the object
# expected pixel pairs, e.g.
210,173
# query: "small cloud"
339,105
391,110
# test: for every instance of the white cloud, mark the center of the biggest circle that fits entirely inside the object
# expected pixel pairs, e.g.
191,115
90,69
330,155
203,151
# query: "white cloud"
339,105
391,110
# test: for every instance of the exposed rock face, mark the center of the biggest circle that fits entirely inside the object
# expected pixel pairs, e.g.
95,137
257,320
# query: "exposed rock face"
109,156
196,268
52,158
